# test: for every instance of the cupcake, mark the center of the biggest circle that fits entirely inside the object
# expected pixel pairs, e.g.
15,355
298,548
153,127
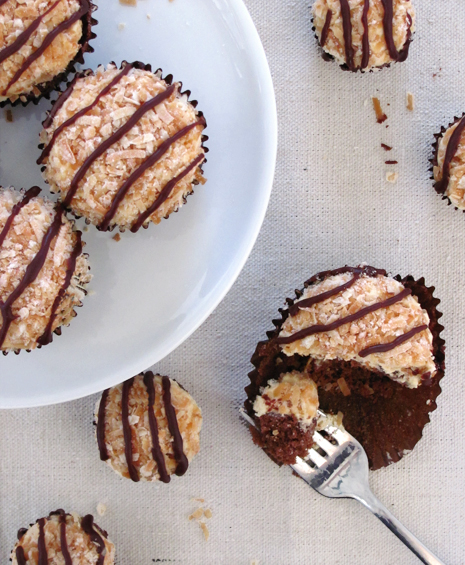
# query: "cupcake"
371,344
364,34
123,147
40,40
63,538
448,163
148,428
42,270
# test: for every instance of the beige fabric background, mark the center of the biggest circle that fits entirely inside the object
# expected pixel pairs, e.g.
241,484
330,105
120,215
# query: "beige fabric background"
330,205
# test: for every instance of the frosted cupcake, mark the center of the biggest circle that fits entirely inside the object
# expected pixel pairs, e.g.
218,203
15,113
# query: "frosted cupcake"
123,147
43,271
40,40
63,538
371,345
148,428
364,34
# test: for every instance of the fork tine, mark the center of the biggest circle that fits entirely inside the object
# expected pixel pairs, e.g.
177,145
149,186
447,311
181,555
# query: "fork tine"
325,445
318,459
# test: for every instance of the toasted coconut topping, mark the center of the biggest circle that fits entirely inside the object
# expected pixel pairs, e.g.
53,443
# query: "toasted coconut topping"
16,17
124,159
406,363
403,25
455,190
34,307
293,395
82,550
188,415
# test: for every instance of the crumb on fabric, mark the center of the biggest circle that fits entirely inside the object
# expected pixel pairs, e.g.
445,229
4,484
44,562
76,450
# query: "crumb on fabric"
9,115
101,508
392,177
148,16
390,162
199,516
386,147
410,102
380,115
116,237
205,531
121,26
128,2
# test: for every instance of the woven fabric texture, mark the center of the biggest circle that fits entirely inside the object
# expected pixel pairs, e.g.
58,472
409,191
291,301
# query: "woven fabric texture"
331,205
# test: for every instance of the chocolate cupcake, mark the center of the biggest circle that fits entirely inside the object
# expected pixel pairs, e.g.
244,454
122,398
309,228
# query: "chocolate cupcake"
42,270
372,345
63,538
364,34
123,147
448,163
40,41
148,428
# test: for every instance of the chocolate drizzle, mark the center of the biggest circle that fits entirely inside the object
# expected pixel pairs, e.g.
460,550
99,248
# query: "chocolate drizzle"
365,38
101,426
179,455
87,524
24,36
63,540
85,6
20,557
452,146
347,28
32,271
319,328
116,136
165,192
47,337
383,347
46,151
156,450
388,19
43,559
58,104
325,30
21,533
149,162
307,302
30,194
127,430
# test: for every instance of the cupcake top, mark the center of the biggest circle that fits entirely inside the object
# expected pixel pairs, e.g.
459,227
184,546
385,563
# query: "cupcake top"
148,428
364,316
449,164
123,147
38,40
63,538
42,269
364,34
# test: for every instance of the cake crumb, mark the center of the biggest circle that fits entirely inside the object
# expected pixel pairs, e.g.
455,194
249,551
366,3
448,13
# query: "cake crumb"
121,26
255,562
386,147
148,16
392,177
380,115
410,102
101,509
128,2
197,514
116,237
205,531
9,115
343,386
207,513
201,500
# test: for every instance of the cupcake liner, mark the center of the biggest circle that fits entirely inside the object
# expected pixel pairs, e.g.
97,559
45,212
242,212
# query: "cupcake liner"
53,85
385,416
168,79
434,160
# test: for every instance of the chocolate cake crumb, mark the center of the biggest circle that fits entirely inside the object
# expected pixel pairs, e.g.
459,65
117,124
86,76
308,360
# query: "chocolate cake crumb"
391,162
410,102
8,115
380,115
386,147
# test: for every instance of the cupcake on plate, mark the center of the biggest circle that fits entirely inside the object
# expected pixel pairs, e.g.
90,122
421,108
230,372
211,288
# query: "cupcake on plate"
371,343
449,163
43,270
364,34
40,40
148,428
63,538
123,147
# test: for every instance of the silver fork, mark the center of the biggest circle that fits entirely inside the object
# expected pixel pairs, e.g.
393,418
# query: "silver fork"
343,473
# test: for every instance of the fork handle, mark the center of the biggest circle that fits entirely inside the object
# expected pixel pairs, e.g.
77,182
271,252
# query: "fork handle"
423,553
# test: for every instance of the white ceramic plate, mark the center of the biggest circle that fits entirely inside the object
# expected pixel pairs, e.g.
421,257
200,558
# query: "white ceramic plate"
151,290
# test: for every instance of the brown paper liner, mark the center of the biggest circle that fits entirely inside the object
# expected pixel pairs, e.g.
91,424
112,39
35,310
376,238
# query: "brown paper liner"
47,88
434,160
168,79
388,421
